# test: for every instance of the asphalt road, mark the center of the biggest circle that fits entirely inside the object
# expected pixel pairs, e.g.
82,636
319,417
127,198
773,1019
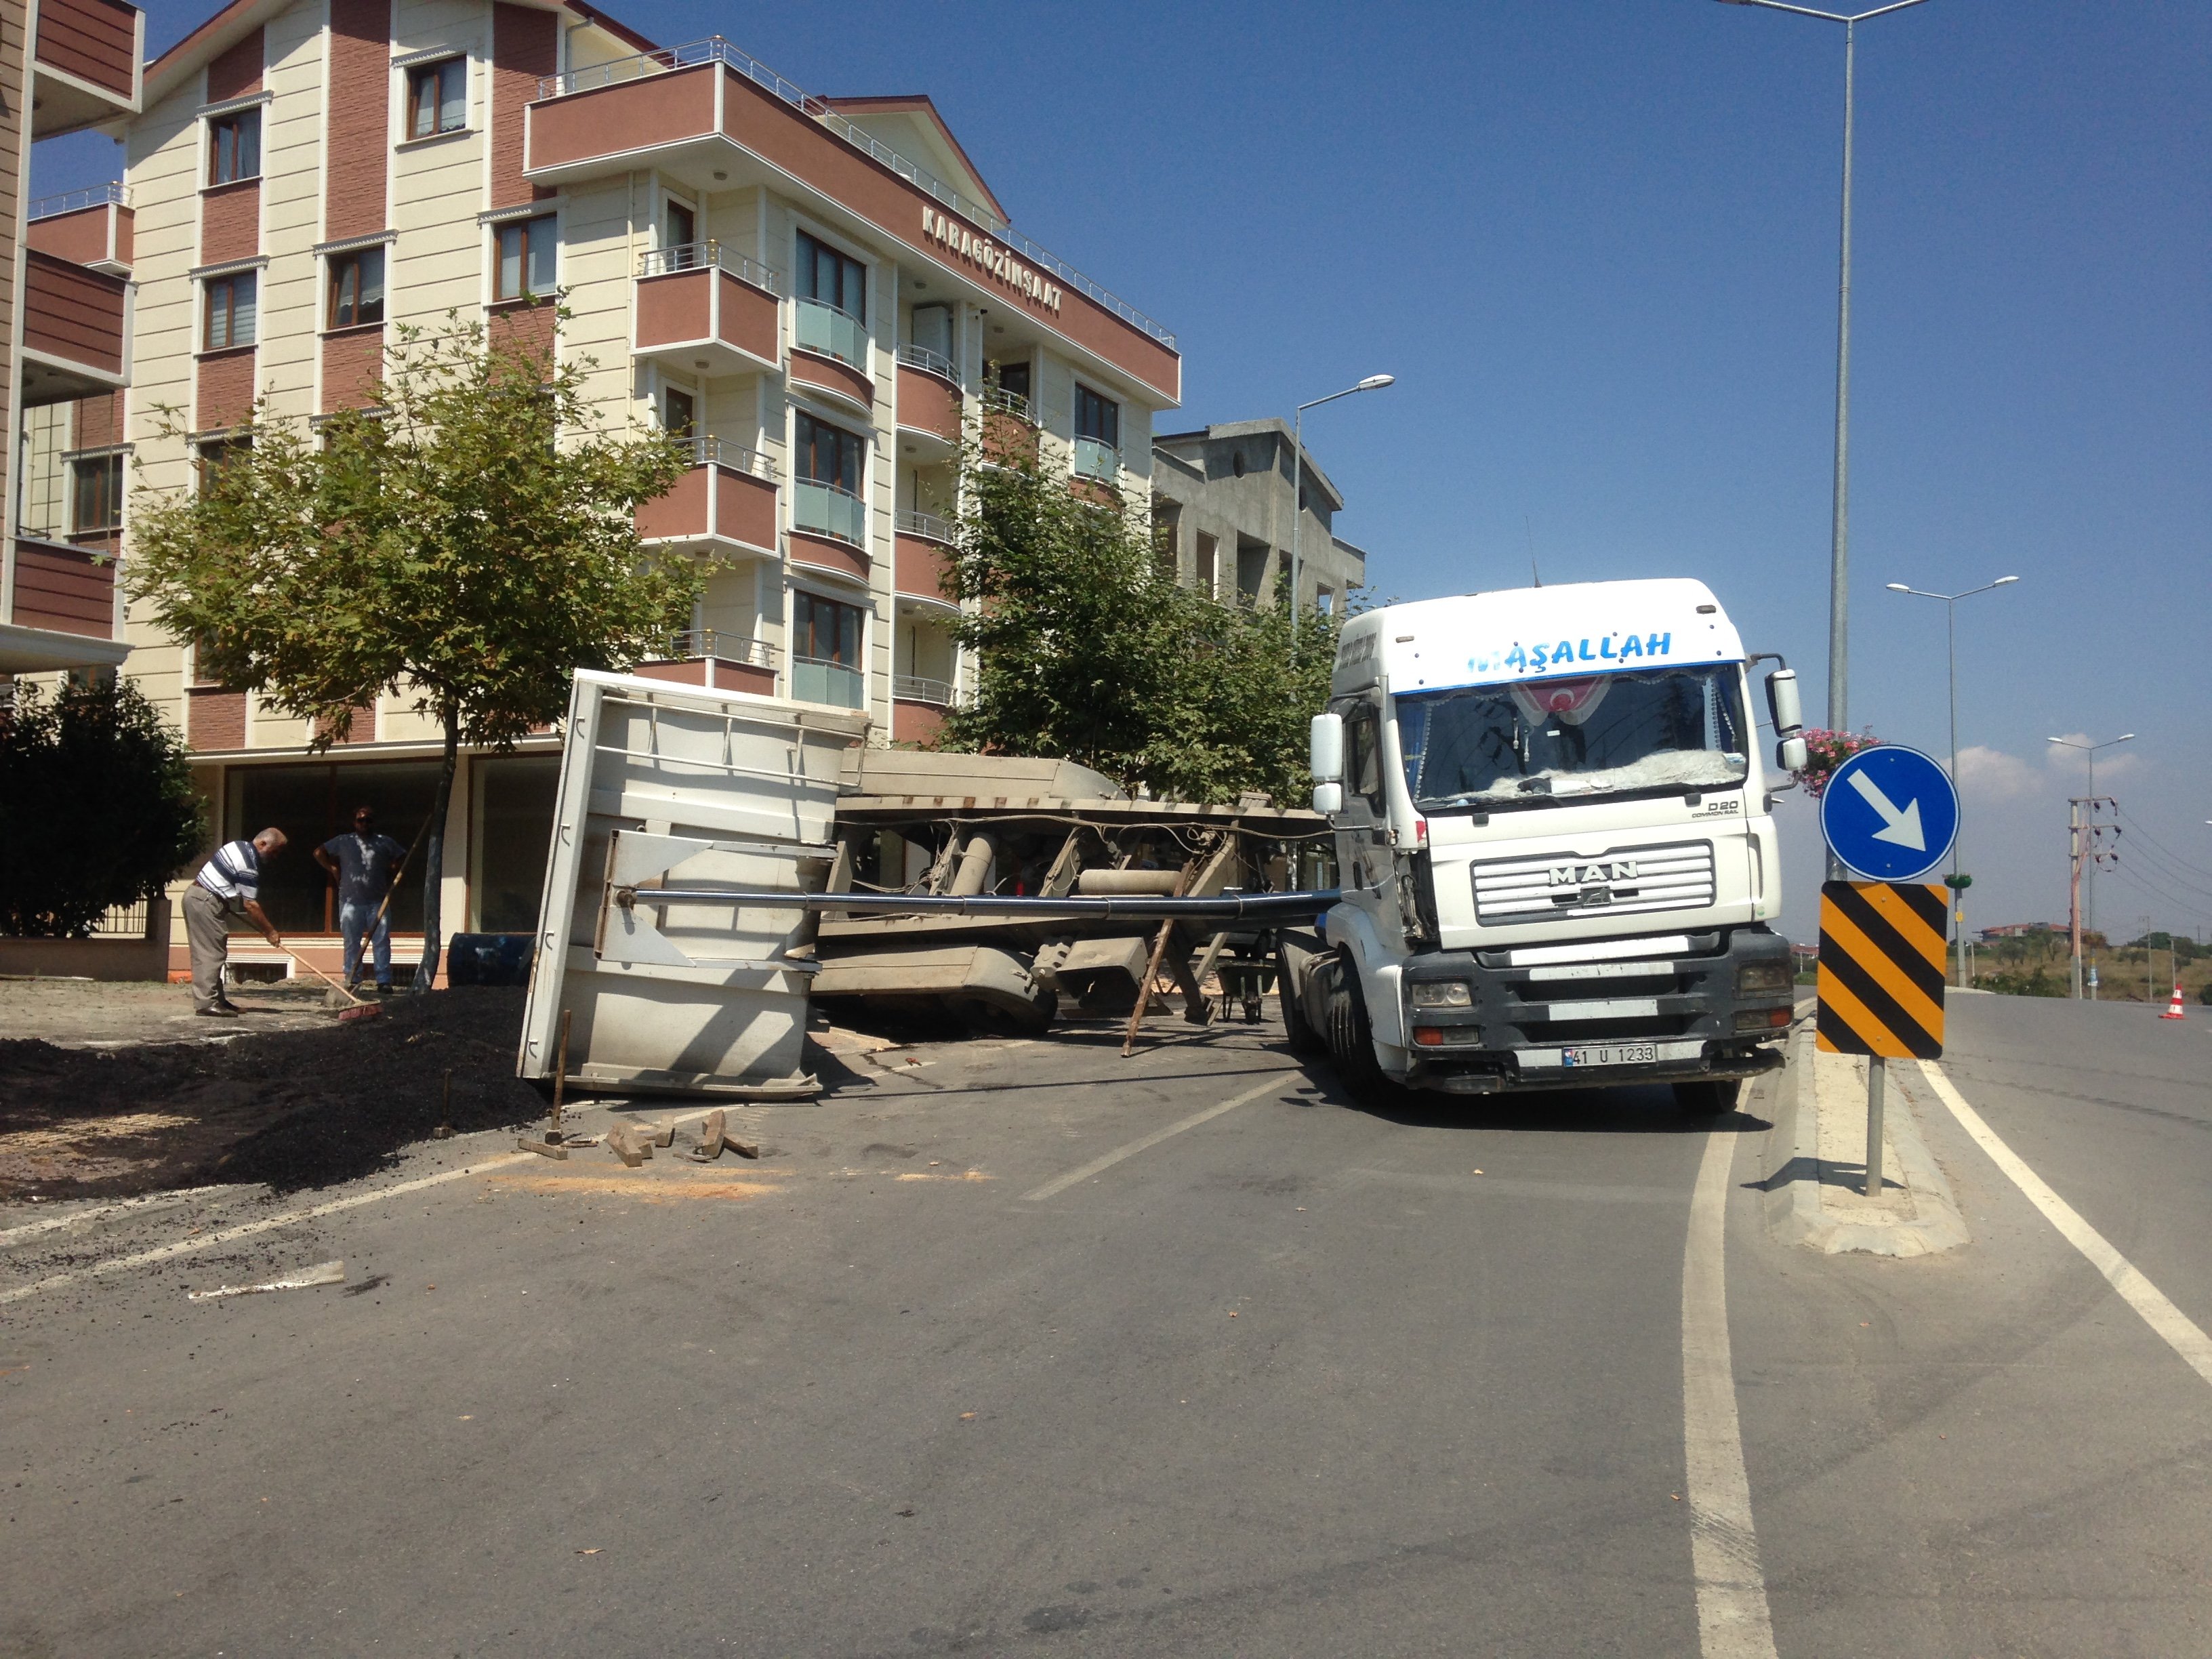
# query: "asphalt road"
1293,1379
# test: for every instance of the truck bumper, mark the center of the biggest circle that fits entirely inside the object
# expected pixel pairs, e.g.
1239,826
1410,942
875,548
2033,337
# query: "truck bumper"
1690,1015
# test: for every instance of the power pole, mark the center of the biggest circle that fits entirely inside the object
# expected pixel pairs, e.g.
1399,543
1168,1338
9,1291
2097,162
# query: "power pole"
2085,848
2074,890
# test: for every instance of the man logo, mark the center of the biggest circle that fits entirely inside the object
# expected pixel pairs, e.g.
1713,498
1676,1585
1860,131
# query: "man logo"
1591,875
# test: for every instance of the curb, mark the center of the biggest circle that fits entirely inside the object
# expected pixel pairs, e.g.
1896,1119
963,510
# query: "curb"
1794,1210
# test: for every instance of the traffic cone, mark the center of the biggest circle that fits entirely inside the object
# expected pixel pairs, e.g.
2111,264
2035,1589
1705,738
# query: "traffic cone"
2173,1008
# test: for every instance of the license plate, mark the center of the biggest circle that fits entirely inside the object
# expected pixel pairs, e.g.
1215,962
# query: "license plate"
1611,1054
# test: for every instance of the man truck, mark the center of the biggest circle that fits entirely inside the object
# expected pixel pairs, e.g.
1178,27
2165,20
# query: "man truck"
1555,848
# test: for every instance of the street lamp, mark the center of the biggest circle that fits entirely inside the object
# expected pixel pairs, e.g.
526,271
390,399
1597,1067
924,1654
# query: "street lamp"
1839,558
1951,634
1372,383
2080,852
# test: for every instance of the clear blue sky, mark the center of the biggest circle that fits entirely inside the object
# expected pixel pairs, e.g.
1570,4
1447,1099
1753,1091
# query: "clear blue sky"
1597,244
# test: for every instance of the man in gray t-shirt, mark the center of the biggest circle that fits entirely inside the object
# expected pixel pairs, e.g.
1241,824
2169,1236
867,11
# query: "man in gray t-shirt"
363,865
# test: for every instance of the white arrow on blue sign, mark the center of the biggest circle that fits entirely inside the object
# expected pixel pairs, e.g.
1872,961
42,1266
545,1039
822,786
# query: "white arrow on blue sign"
1890,813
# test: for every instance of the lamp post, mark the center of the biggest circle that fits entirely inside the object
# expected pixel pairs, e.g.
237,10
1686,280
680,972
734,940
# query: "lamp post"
1839,548
1372,383
1957,883
2080,852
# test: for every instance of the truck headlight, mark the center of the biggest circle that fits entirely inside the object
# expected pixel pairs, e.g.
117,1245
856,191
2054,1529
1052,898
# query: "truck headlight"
1441,993
1759,979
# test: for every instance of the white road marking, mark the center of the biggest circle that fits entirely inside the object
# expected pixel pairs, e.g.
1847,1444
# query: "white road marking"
1733,1621
9,1235
248,1228
2182,1334
1275,1082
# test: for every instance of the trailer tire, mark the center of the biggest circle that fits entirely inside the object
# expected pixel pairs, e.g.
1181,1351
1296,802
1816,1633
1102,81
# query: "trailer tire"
1350,1035
1708,1096
1297,1030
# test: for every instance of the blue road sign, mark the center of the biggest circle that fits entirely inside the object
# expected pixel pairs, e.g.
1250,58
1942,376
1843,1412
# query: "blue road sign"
1890,813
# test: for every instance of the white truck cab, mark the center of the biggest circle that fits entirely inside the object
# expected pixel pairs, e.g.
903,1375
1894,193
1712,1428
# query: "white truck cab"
1556,852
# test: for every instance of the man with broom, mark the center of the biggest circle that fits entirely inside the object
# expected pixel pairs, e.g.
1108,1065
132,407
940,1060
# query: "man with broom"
364,865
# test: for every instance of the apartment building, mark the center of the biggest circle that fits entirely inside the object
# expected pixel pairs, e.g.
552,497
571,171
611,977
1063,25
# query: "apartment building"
1222,512
65,303
820,293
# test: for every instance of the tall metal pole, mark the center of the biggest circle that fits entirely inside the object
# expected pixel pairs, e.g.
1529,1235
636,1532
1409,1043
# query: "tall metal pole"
1958,912
1297,513
1839,626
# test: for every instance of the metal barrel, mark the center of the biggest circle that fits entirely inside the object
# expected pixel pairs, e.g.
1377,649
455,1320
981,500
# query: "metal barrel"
1226,907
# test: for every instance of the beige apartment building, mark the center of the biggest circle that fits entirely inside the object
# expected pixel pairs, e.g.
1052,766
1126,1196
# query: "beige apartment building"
821,294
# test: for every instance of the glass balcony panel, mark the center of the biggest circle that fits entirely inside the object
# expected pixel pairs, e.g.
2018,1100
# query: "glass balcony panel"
834,334
1094,460
815,680
827,510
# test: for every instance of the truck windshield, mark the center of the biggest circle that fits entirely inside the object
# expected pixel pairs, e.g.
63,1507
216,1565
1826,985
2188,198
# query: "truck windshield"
1539,741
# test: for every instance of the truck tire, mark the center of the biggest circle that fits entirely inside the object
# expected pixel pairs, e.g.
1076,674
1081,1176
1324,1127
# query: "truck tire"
1350,1036
1297,1030
1708,1096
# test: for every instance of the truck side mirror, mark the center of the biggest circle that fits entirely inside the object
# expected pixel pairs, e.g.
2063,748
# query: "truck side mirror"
1790,755
1782,703
1325,750
1329,797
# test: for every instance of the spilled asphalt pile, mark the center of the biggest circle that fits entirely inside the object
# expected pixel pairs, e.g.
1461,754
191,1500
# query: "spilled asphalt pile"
294,1110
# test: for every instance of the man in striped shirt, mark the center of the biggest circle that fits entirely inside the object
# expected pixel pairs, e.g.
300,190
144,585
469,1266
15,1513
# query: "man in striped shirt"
229,884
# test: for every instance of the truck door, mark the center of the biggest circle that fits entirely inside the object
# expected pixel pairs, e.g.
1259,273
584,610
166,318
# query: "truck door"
1363,840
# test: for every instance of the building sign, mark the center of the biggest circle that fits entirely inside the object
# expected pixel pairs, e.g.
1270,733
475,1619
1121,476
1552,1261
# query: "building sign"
982,252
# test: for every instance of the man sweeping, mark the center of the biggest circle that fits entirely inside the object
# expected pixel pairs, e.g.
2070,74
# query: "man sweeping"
364,865
230,884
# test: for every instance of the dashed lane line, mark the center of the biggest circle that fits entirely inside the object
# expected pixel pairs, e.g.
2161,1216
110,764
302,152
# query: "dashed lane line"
1275,1084
2182,1334
1733,1618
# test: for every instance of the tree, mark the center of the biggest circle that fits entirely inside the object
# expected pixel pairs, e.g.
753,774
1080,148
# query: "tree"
1087,648
97,806
469,539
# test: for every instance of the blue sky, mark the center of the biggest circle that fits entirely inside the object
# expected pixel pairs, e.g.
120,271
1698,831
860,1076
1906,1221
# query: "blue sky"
1597,244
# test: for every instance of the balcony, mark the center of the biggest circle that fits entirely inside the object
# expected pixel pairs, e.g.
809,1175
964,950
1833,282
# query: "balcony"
90,227
719,661
829,353
928,402
701,308
1009,430
918,706
86,66
828,528
727,498
76,322
64,589
816,679
921,559
1095,458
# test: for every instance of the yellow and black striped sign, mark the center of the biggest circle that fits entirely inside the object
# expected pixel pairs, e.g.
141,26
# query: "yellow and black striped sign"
1881,970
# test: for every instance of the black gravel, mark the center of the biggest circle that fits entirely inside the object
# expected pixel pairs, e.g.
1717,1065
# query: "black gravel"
298,1108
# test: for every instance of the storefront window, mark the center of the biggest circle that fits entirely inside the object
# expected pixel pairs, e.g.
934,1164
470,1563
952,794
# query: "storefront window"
514,825
311,803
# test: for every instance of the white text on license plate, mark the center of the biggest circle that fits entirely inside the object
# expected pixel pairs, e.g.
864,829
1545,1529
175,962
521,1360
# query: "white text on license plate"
1611,1054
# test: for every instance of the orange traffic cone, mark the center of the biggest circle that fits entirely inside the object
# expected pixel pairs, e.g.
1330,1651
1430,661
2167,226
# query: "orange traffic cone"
2173,1008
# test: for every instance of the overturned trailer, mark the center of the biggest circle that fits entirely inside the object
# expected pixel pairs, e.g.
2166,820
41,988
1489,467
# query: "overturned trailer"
935,826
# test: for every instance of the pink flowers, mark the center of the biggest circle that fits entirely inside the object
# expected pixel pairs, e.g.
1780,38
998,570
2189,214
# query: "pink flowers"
1826,750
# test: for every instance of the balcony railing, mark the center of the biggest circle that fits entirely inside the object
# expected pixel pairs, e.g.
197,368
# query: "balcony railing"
914,688
1004,402
720,452
929,525
723,647
702,256
816,679
1097,459
929,362
821,327
75,201
716,50
829,509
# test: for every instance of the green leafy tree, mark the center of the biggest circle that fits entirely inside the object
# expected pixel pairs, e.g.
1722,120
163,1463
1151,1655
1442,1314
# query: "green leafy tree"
468,539
97,806
1087,648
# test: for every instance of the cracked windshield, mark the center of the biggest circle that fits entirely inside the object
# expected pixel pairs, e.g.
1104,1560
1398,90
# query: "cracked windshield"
1537,741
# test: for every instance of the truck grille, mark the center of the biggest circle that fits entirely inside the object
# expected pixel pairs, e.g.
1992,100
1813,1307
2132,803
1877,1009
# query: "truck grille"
1619,882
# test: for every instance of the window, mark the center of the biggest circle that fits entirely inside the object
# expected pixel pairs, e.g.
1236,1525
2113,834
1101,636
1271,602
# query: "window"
825,630
681,226
1209,554
828,454
97,499
356,288
527,257
215,456
1097,418
234,147
834,278
437,98
230,316
1362,747
679,412
1012,379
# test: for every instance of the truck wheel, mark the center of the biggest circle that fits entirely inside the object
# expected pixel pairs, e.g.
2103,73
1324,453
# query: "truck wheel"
1297,1030
1350,1036
1708,1096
